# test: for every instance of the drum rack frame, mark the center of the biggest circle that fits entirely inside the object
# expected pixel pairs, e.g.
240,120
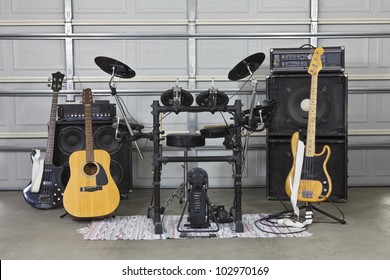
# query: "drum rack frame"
155,210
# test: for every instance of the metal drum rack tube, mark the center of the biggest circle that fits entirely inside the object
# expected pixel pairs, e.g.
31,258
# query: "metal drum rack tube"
154,210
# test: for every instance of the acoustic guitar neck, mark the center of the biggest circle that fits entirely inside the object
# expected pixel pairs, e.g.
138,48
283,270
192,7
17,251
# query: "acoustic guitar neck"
87,100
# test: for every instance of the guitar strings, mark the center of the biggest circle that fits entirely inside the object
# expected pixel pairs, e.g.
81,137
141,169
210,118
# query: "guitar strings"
49,176
45,190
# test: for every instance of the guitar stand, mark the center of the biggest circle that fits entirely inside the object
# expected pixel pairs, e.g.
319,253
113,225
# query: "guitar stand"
341,221
310,206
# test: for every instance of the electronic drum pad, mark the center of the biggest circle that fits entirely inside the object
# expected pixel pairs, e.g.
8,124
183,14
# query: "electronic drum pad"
204,98
216,131
296,107
186,98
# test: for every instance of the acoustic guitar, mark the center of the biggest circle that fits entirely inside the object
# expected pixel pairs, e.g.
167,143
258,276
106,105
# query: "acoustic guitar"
91,191
315,184
45,191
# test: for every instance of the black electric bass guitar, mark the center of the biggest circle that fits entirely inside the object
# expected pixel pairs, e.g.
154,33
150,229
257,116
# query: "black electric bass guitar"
315,184
46,191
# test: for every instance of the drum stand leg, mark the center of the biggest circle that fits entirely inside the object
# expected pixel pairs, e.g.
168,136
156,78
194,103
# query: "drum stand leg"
182,188
154,210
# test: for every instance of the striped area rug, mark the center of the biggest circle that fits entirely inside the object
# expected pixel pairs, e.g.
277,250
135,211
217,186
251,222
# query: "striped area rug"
141,228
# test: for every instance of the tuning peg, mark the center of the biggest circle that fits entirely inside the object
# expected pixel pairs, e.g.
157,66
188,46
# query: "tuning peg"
49,79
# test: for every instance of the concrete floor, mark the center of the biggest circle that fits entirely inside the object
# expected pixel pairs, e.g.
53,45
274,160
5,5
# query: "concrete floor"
28,233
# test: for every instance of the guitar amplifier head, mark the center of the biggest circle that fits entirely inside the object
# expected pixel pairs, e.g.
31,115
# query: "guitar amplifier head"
101,110
297,60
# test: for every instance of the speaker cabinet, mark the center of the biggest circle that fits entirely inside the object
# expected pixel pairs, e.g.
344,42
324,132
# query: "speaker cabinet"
292,92
70,137
279,162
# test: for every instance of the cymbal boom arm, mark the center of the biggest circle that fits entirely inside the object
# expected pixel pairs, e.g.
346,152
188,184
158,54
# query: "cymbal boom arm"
114,93
252,105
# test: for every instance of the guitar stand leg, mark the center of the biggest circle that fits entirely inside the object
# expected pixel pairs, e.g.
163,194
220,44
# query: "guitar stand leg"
63,215
278,214
329,215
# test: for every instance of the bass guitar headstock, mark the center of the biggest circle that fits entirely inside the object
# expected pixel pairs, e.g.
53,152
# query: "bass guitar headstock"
316,63
57,79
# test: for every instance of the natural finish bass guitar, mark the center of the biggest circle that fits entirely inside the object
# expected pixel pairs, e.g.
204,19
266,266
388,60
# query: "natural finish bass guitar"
91,191
315,184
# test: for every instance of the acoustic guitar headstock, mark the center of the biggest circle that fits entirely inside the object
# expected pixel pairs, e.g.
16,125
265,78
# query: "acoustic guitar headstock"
87,96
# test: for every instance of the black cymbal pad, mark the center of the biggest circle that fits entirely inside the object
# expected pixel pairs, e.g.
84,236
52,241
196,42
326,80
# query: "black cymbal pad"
241,69
109,64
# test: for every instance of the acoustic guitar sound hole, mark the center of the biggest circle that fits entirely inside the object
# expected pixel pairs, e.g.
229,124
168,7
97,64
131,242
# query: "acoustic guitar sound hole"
90,169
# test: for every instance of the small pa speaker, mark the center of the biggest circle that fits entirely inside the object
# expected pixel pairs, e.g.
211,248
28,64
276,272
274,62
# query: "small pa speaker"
279,162
70,137
292,93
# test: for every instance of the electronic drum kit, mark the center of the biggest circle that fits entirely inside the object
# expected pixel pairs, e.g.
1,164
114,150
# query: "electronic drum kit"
176,99
256,118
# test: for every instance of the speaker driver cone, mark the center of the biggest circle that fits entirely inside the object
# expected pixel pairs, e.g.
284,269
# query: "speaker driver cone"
65,174
71,139
297,106
116,171
104,139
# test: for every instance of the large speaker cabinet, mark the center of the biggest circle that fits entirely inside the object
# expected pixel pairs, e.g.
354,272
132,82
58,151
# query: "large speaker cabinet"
292,92
280,160
70,137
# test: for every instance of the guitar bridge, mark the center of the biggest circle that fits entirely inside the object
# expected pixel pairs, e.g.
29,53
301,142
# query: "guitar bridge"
91,189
